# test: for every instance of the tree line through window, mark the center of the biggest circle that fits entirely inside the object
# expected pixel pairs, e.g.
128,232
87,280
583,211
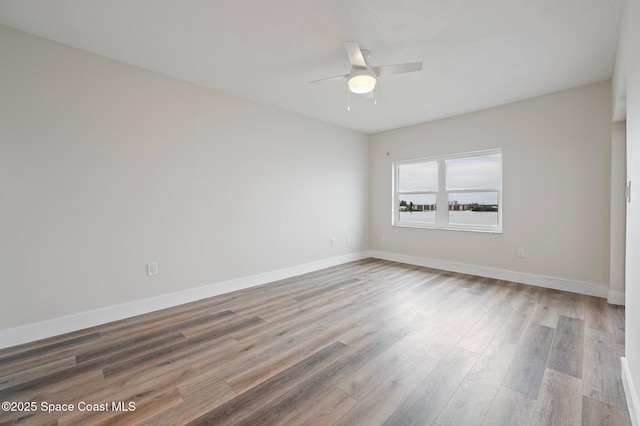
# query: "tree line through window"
462,191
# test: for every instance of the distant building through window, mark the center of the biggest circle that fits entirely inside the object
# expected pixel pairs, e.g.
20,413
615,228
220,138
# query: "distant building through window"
461,191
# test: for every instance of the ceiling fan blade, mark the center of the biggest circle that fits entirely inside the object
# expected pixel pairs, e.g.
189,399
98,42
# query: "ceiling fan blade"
337,77
385,70
355,55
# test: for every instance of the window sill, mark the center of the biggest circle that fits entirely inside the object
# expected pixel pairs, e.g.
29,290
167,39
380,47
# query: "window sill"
488,230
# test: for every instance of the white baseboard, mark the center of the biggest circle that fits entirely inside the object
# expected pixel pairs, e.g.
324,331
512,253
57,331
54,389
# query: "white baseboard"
633,404
589,289
615,297
56,326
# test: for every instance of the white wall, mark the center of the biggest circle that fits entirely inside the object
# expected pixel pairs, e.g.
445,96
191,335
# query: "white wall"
556,193
631,365
105,167
618,212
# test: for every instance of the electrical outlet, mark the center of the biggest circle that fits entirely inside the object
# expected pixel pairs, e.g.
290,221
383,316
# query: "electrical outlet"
333,241
520,252
152,269
348,238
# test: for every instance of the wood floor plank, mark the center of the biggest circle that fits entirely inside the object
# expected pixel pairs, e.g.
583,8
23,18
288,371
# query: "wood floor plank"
573,305
517,323
567,348
135,349
479,337
322,291
29,362
497,290
362,343
316,311
535,293
151,335
126,366
601,372
438,288
526,371
301,316
124,360
23,376
369,377
63,391
299,399
324,411
471,401
480,287
509,408
424,404
511,296
35,349
248,355
180,365
465,312
597,314
376,406
147,408
297,403
601,414
142,407
249,402
616,314
211,396
548,310
559,402
254,376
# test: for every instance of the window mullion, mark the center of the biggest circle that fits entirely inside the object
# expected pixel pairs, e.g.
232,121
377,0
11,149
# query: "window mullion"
442,199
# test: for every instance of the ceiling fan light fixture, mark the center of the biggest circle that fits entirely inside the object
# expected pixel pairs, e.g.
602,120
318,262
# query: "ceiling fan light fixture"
361,81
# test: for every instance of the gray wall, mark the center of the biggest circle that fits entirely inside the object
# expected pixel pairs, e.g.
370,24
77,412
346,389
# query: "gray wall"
105,167
556,187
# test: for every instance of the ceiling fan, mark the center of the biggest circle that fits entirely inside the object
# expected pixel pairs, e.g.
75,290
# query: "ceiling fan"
363,77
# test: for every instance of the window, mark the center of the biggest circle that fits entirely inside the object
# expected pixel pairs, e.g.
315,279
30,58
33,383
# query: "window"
462,191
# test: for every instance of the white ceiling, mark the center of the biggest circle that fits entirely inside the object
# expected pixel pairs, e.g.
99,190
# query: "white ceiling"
476,53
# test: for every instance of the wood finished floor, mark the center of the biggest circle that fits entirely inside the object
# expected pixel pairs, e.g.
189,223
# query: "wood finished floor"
366,343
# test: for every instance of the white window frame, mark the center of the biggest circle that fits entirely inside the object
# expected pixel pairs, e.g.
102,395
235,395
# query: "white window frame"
442,195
